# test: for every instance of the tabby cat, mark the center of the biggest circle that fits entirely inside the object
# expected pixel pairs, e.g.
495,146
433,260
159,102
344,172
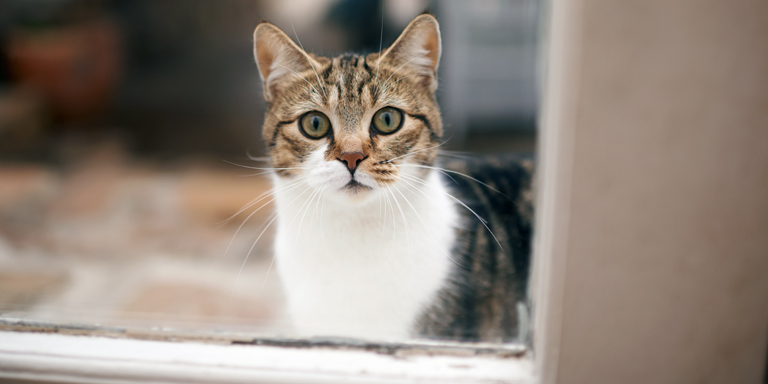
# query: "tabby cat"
373,240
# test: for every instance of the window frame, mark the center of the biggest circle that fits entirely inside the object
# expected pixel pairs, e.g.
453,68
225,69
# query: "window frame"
724,343
46,352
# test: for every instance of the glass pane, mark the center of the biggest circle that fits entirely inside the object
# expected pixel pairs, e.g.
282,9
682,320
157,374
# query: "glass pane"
149,179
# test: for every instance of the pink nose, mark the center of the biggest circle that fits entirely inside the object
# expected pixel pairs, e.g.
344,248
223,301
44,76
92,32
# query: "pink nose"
352,159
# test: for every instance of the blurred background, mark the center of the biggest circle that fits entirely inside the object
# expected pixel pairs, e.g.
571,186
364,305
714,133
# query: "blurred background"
119,121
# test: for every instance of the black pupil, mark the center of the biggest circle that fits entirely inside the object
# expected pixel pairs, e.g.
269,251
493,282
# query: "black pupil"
387,118
316,123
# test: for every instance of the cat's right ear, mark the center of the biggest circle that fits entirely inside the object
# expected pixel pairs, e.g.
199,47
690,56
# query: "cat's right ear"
279,59
418,47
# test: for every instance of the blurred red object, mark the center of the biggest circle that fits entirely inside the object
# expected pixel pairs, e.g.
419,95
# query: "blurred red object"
76,67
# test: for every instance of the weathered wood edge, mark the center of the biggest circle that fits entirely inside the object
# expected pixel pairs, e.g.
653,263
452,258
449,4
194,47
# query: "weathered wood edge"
409,348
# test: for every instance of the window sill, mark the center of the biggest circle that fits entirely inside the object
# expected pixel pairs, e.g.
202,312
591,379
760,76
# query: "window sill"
91,354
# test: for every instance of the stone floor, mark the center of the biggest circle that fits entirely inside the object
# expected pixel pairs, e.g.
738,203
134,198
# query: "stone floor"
109,240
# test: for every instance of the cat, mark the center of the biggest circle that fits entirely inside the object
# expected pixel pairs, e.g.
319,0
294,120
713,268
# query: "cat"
373,239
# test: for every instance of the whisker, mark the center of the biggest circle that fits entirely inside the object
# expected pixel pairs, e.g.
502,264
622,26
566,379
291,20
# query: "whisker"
256,174
485,223
314,213
393,73
398,80
322,227
381,40
263,283
418,74
257,199
445,153
308,58
411,153
405,222
320,201
297,74
247,255
380,216
458,201
309,204
437,244
394,222
254,158
458,173
262,168
463,154
249,216
404,77
422,192
446,174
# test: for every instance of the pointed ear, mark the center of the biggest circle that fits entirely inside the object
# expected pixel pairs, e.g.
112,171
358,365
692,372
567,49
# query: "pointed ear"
279,59
418,47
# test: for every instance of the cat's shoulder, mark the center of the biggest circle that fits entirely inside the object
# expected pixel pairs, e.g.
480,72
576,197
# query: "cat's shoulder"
494,176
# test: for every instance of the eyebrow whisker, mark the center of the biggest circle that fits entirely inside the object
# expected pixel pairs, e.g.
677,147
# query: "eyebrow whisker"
308,59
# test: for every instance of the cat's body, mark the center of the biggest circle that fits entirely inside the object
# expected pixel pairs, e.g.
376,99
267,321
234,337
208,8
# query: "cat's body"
372,241
485,295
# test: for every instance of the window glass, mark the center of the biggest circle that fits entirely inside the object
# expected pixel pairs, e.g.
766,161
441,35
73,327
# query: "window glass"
134,190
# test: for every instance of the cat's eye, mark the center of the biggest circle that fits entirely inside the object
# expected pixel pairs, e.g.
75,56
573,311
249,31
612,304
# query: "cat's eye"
315,125
387,120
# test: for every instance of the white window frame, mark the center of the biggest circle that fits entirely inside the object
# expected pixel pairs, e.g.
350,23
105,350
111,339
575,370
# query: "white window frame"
91,354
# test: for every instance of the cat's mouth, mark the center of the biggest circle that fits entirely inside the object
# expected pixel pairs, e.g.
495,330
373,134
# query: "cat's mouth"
355,187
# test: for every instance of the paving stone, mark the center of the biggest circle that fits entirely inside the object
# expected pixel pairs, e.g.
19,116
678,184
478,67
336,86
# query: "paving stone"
21,185
214,196
133,244
23,289
198,303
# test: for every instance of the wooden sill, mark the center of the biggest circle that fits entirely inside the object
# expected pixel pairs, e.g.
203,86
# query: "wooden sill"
92,354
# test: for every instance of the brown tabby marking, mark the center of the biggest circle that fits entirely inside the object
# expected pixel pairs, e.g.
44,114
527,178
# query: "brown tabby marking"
350,89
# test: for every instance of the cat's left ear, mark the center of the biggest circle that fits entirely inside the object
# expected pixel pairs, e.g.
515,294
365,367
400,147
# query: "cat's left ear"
418,47
279,59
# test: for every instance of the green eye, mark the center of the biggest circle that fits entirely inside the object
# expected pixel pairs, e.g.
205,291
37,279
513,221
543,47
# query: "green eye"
387,120
314,125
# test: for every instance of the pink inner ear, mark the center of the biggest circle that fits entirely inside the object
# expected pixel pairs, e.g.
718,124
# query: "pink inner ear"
264,58
432,46
276,56
418,47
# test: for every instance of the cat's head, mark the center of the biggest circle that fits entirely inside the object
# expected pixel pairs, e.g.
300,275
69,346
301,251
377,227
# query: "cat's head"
351,124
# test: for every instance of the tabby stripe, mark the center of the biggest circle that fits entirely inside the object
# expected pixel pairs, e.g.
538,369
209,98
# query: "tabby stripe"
423,119
296,146
279,125
331,143
327,73
360,88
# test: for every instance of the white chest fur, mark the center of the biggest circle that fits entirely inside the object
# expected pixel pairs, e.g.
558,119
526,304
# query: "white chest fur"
363,270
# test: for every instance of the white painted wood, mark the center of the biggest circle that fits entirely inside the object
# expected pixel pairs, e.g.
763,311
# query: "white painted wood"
86,359
554,183
653,214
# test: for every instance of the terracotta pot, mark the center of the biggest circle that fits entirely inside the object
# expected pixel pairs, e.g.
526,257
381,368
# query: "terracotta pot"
76,67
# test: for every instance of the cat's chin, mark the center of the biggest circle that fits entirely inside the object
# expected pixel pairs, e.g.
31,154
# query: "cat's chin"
355,192
355,187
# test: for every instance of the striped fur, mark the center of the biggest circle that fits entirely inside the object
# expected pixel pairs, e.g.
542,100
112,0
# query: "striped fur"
485,297
430,270
349,89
